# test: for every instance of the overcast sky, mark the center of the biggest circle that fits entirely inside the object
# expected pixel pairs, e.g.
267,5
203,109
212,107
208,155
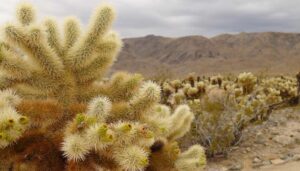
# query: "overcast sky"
178,17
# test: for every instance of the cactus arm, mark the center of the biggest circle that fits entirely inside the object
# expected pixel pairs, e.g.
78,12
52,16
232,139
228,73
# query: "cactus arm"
53,36
36,47
106,52
71,33
84,50
13,64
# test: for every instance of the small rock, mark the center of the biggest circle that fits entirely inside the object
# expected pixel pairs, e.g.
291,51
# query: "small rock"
259,138
261,163
287,157
235,148
256,160
266,162
235,167
296,157
284,140
284,157
259,141
277,161
248,149
257,165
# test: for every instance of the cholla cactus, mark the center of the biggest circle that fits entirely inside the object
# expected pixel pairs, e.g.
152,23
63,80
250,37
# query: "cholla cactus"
273,96
286,86
95,125
176,84
247,81
201,87
216,80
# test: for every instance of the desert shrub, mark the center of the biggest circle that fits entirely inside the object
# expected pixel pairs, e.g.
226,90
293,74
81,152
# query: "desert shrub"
216,124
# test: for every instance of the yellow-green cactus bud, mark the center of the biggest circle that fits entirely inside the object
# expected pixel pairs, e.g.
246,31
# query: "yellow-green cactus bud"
80,118
102,130
148,134
163,129
23,120
107,138
125,127
100,136
91,120
144,162
3,136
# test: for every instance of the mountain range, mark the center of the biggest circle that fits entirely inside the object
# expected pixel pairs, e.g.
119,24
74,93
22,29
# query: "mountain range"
268,52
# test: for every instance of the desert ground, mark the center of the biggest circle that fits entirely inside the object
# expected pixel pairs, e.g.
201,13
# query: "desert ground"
272,146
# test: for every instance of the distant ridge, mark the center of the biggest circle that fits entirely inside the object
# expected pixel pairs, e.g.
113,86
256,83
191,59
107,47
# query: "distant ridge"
274,52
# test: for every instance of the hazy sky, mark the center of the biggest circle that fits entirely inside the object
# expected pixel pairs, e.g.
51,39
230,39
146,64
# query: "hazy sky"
178,17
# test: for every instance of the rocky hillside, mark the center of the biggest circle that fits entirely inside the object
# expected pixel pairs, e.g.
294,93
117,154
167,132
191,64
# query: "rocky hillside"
257,52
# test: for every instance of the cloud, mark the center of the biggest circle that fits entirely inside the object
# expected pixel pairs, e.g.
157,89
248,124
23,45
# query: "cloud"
178,17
